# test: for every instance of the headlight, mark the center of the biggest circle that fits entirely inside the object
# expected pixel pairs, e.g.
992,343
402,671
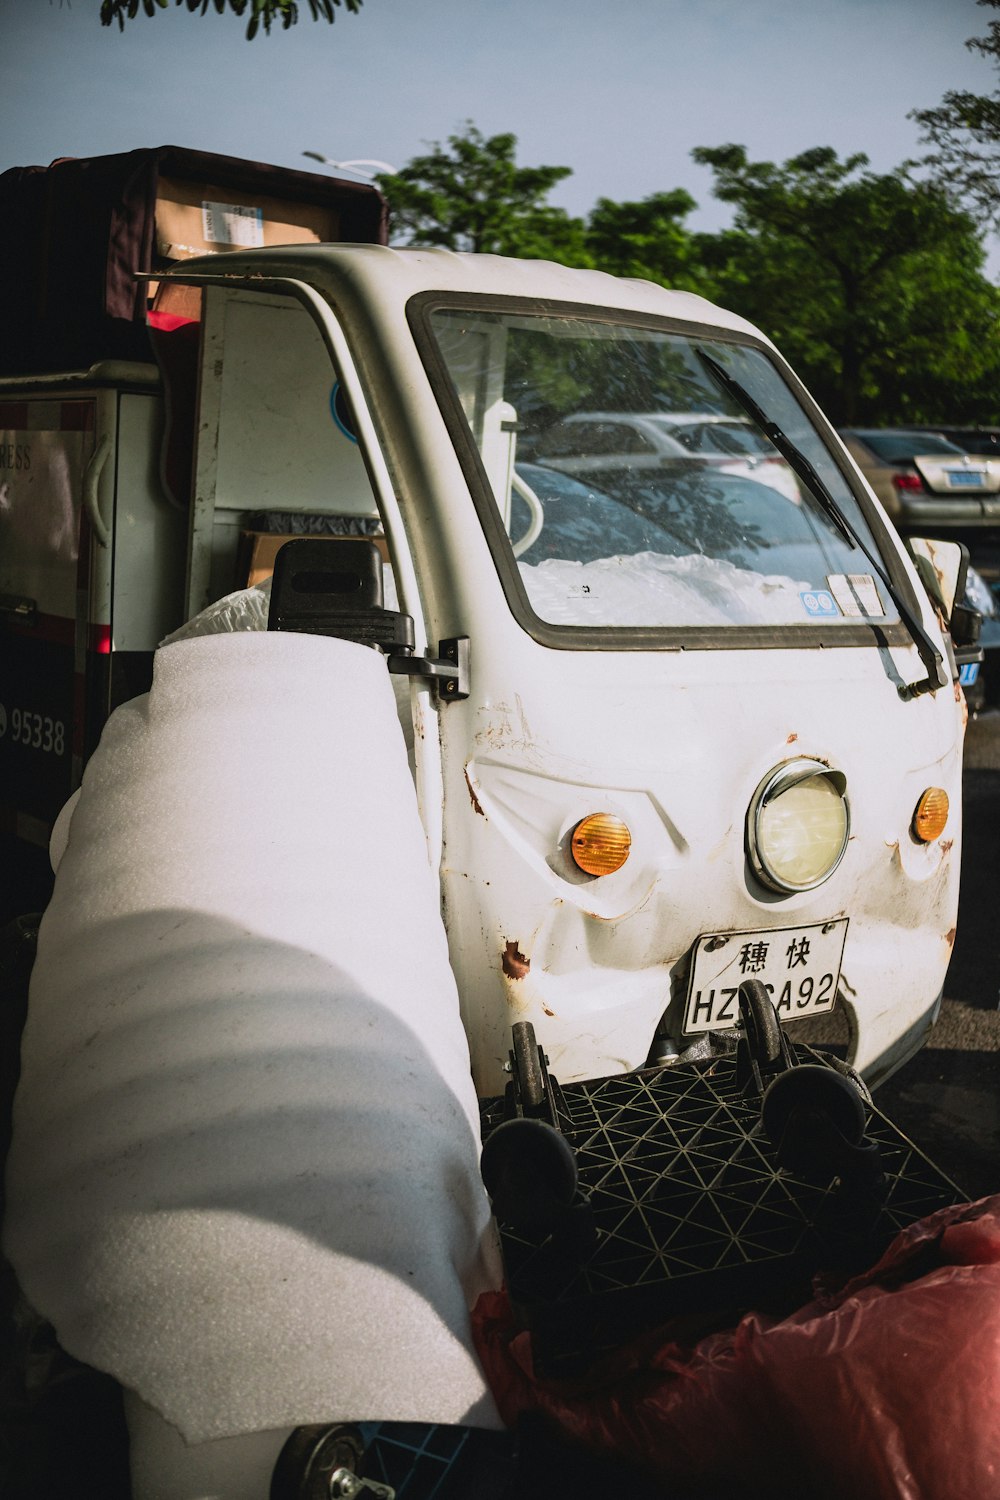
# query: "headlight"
798,825
978,593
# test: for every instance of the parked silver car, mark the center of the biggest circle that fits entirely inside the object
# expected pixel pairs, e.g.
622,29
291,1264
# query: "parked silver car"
926,482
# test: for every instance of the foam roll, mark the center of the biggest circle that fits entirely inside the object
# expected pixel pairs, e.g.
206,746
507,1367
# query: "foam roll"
244,1176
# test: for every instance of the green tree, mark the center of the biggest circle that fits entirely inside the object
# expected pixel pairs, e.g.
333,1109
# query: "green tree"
648,239
964,130
260,13
474,196
871,283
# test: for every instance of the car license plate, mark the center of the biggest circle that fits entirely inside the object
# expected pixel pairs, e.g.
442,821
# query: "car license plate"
965,478
799,966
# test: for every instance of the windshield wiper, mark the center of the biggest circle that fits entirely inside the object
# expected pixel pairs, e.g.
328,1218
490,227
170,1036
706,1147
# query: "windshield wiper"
793,456
800,465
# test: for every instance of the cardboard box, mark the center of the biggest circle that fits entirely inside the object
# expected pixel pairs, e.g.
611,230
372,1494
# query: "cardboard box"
77,232
206,218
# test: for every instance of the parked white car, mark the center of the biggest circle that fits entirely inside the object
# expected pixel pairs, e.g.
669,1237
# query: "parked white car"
586,443
712,436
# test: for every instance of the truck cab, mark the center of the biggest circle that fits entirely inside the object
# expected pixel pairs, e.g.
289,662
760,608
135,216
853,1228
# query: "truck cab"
683,646
688,661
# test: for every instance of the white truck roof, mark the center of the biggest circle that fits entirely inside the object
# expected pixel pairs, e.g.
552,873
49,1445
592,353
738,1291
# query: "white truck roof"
403,273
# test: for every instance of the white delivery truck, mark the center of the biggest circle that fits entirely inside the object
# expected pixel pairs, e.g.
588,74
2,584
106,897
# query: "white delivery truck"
675,719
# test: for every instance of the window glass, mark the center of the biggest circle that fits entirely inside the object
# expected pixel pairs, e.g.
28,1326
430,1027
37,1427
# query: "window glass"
902,447
645,530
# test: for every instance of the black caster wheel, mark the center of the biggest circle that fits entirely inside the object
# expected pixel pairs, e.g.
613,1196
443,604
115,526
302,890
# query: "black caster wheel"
530,1173
528,1065
760,1019
311,1456
814,1117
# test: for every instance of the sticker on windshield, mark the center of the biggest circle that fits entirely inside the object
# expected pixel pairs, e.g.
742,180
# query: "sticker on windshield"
820,604
855,593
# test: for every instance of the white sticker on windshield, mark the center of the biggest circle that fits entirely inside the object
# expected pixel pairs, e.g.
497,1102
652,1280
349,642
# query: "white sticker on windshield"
855,593
232,224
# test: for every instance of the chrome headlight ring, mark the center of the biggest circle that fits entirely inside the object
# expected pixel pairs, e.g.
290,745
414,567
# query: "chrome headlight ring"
798,825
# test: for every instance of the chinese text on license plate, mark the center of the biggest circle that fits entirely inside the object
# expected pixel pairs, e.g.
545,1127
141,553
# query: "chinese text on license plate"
800,967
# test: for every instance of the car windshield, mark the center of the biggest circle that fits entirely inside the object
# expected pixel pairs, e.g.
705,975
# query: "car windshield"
903,447
596,440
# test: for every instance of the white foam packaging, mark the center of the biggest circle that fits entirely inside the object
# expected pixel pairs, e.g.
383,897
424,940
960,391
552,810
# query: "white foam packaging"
244,1175
651,589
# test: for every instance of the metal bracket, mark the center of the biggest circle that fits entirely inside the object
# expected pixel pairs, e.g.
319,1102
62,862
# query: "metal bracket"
450,670
345,1484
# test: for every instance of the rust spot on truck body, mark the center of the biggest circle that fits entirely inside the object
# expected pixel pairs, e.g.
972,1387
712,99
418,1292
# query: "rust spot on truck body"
476,804
515,965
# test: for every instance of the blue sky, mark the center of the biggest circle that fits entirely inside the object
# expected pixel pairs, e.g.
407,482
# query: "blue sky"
619,90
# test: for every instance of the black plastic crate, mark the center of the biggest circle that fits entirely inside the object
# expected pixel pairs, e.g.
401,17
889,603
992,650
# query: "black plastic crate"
689,1213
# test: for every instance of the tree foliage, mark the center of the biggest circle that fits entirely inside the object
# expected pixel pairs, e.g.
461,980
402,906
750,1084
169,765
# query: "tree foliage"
648,239
871,283
260,13
964,130
472,195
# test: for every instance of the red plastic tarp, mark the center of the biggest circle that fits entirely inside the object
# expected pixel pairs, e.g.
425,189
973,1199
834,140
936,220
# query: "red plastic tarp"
887,1388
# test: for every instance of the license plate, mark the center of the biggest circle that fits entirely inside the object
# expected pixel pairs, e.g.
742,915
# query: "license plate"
799,966
965,478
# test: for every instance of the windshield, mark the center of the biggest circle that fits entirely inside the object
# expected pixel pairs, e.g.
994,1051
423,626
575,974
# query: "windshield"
635,492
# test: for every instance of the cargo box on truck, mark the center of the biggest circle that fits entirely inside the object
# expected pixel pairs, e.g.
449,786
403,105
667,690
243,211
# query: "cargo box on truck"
97,428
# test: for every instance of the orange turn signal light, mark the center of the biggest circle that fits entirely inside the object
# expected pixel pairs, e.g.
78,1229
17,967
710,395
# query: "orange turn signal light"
931,815
600,844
